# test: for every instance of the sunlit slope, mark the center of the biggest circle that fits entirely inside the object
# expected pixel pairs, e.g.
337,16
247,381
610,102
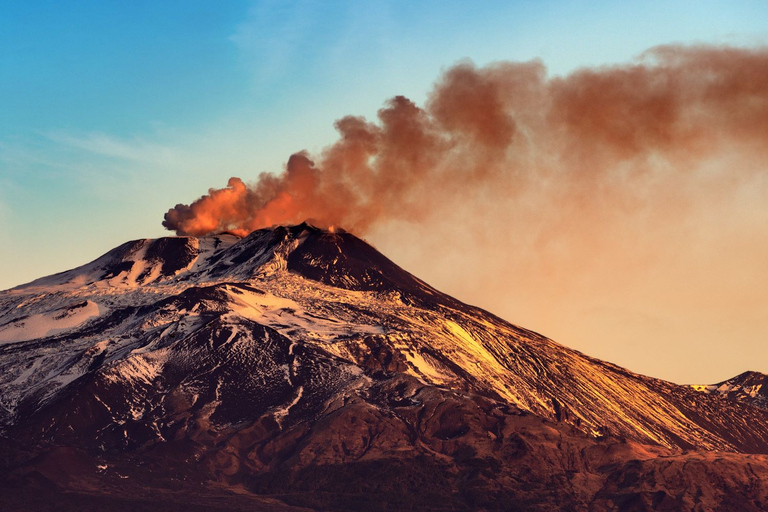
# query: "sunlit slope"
175,333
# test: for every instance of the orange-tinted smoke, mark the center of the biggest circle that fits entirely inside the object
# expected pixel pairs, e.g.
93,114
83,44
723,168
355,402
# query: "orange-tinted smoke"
597,137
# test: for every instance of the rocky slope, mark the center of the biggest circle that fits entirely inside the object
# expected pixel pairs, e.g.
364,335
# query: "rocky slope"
299,367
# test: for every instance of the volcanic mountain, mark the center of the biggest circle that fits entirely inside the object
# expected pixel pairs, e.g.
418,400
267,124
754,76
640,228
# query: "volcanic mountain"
300,369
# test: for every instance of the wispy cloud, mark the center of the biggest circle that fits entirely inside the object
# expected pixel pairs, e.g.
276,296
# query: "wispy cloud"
134,149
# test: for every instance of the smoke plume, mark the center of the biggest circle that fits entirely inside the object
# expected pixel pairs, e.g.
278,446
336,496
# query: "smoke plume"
511,127
612,208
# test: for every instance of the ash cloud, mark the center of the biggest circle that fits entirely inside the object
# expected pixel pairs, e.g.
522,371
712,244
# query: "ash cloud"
594,134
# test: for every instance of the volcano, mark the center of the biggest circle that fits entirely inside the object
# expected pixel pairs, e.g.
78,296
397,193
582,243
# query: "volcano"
300,369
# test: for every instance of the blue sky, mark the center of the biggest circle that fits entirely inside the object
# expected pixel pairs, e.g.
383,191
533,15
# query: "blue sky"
111,112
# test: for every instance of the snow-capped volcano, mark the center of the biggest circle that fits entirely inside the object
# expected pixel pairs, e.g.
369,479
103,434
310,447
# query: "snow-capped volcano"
294,348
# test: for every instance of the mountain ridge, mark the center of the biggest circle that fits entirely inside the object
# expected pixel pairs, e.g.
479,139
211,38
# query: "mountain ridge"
748,387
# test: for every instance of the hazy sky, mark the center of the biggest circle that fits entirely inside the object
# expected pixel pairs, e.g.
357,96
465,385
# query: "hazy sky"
113,112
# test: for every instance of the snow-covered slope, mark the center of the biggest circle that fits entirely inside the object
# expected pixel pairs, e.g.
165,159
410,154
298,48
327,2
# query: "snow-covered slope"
287,320
302,366
748,387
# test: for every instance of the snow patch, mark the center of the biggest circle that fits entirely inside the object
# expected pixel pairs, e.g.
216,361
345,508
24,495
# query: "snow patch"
138,368
281,412
288,317
42,325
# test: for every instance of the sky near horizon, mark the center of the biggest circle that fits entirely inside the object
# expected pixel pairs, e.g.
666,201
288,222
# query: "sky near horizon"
113,112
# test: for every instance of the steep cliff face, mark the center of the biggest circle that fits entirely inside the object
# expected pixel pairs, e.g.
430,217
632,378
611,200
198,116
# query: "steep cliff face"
290,360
